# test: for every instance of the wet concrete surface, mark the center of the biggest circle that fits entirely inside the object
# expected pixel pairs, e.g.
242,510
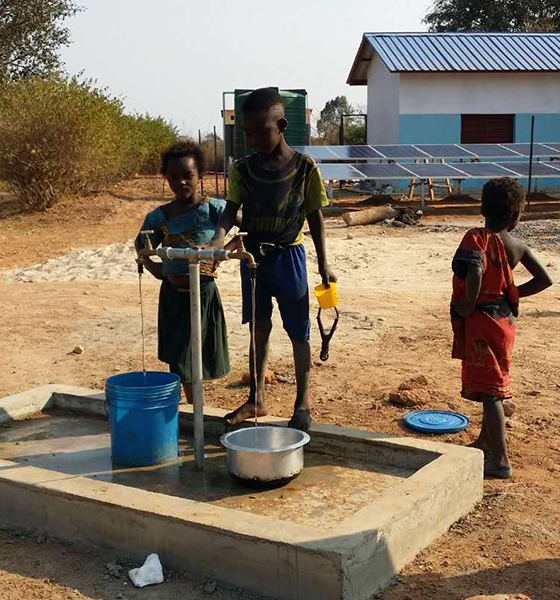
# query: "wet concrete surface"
329,490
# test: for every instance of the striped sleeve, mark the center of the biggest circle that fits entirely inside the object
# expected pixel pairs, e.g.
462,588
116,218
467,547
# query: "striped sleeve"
315,194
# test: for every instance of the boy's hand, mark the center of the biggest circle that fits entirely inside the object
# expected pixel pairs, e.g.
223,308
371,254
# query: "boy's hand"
327,275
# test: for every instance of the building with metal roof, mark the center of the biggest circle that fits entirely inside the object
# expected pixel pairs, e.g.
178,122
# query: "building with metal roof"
453,88
457,52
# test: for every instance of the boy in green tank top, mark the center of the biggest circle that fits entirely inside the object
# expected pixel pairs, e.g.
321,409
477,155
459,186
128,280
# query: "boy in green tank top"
279,189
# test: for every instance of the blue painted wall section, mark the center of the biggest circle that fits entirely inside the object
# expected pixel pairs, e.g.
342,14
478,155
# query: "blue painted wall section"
547,129
430,129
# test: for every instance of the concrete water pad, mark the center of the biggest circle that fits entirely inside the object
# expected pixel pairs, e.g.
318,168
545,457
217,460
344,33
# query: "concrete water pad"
364,506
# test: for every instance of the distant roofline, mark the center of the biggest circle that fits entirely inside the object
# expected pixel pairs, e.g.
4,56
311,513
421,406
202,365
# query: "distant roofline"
505,33
366,51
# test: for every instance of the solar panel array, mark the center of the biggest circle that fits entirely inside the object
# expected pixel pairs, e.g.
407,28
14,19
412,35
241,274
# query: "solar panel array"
470,170
429,151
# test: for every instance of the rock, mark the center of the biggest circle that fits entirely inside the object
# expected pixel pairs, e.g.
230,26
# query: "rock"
410,398
349,237
509,408
41,539
285,378
78,350
114,568
415,383
269,378
210,587
501,597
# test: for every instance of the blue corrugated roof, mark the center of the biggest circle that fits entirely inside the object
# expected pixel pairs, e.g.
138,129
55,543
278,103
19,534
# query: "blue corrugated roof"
452,52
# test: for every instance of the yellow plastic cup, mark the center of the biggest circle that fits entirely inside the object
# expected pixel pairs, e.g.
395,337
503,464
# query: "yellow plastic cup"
327,296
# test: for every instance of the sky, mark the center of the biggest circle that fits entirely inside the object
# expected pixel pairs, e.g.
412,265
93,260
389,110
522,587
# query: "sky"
174,58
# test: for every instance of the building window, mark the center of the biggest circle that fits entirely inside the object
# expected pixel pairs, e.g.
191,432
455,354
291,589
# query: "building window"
487,129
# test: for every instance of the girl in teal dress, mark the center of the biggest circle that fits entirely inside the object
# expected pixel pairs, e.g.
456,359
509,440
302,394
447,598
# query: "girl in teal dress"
189,220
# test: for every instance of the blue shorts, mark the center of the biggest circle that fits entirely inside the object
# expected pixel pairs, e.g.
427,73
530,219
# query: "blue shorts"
282,275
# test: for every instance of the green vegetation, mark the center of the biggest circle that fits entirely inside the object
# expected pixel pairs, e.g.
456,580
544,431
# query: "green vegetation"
62,136
494,15
31,34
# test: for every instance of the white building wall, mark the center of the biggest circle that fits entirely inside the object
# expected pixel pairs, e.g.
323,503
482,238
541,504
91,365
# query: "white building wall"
473,93
383,104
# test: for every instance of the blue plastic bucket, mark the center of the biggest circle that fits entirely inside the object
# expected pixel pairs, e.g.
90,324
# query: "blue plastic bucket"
143,413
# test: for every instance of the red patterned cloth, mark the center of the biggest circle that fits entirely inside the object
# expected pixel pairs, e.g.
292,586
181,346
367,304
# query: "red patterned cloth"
484,340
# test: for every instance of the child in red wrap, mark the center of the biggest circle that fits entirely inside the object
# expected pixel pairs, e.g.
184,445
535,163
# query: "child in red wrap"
484,304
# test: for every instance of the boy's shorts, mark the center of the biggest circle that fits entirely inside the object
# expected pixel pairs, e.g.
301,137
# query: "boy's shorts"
282,275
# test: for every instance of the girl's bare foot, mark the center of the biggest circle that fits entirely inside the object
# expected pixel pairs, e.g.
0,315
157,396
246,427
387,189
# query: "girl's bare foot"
244,412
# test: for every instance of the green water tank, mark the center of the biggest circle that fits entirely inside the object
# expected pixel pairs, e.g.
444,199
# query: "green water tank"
295,102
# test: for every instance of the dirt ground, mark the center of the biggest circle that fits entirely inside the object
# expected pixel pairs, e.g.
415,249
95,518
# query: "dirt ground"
67,278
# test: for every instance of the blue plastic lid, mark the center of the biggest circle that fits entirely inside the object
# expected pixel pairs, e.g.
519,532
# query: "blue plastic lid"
436,421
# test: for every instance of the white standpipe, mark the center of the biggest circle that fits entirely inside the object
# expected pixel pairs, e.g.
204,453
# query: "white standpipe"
194,256
196,364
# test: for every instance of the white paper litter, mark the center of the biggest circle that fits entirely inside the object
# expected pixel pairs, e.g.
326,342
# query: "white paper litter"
150,573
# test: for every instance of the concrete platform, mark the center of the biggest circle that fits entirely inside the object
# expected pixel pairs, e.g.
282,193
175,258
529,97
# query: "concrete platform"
364,506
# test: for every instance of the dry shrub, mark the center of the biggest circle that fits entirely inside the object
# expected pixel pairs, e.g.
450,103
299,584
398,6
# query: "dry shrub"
64,136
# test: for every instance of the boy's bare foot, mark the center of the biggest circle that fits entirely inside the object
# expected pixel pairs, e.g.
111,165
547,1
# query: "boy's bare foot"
244,412
301,419
509,408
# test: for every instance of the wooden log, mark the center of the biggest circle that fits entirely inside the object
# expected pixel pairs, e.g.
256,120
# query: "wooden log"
369,216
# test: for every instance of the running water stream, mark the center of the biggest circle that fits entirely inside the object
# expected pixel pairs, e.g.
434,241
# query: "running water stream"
254,353
142,324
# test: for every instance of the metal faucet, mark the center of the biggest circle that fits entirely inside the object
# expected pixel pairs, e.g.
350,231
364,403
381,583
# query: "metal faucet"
240,253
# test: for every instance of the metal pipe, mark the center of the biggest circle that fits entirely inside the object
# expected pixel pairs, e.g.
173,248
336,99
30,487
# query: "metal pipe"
235,125
531,163
216,161
202,176
196,364
192,254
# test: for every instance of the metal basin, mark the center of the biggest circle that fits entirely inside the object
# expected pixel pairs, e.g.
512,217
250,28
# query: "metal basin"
266,454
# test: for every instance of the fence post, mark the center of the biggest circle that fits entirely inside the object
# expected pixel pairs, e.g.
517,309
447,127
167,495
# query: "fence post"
216,162
201,176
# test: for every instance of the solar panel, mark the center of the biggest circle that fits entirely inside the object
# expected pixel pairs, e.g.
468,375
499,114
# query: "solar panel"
445,151
484,170
539,150
340,172
385,171
539,169
436,171
354,152
489,150
399,151
554,146
316,152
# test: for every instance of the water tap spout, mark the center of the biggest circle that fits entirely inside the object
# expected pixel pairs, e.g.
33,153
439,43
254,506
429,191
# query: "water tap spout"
148,249
241,253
